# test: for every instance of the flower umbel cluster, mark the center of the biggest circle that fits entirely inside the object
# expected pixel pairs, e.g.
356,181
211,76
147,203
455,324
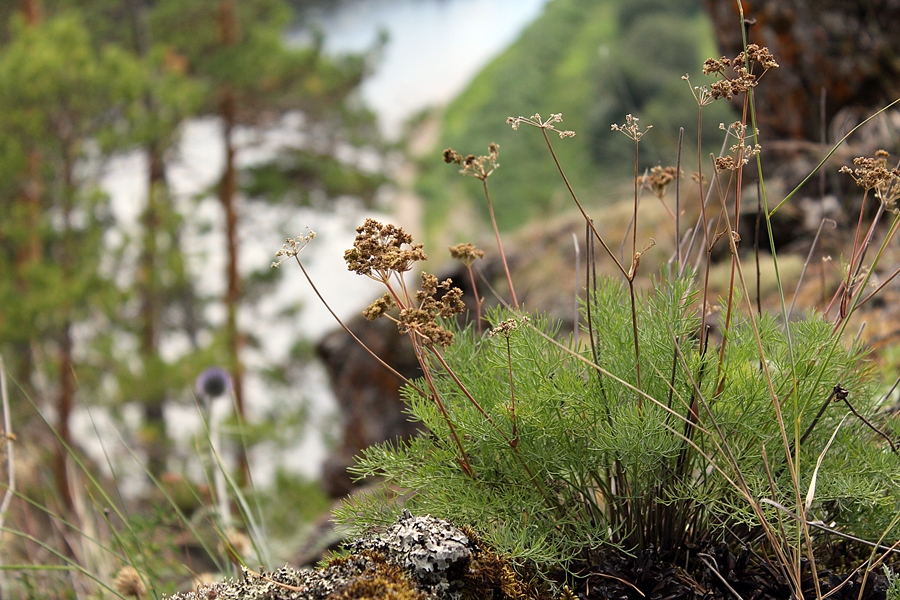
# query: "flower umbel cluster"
744,152
293,246
507,327
728,87
631,129
479,167
658,180
536,121
382,250
874,174
419,318
465,253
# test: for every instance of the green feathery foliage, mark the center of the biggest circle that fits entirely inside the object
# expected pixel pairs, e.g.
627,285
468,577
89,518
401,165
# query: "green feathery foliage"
600,460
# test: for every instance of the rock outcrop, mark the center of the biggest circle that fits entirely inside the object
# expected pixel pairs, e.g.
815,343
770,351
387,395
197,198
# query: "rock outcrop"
417,558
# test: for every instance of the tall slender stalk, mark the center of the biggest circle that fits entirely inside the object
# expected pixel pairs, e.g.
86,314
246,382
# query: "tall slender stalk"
509,282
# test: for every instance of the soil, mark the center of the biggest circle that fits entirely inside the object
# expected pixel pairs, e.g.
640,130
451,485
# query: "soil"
716,572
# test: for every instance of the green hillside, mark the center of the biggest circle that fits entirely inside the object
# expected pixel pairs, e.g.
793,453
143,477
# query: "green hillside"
594,61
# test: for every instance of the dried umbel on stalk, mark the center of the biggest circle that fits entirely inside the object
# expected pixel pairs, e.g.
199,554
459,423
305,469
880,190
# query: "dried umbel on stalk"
658,180
384,252
873,173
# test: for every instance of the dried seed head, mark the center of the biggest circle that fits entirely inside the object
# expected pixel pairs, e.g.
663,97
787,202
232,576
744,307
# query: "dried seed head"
631,128
759,55
452,156
874,174
725,163
465,253
479,167
128,583
536,121
712,66
381,250
421,320
729,87
658,180
507,327
293,246
379,307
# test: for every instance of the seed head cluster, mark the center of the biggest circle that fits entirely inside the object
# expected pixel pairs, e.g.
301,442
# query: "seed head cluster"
479,167
128,583
507,327
536,121
740,153
729,87
658,180
382,250
422,319
379,307
873,173
293,246
631,128
465,253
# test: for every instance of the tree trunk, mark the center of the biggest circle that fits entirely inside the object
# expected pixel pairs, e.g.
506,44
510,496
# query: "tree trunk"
227,189
32,11
63,413
154,421
156,438
29,253
65,358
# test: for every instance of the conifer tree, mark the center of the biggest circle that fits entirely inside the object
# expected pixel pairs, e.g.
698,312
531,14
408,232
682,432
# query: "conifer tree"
62,100
237,50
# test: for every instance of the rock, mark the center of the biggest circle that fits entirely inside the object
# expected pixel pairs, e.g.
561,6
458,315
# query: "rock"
434,551
417,558
367,393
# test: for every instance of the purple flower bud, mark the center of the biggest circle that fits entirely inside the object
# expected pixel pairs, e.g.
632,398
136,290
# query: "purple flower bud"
213,382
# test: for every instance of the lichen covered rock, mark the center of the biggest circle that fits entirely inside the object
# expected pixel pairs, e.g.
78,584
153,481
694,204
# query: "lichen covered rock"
417,558
435,552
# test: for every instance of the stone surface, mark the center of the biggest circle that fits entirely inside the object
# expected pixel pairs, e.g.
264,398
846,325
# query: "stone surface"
434,551
368,394
418,557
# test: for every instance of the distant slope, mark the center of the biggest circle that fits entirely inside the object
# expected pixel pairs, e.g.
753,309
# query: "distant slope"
594,61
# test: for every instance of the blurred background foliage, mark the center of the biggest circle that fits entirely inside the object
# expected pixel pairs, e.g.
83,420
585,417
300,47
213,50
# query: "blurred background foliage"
594,61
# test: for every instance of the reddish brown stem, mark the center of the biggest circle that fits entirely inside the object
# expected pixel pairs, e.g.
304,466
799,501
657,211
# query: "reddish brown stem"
487,196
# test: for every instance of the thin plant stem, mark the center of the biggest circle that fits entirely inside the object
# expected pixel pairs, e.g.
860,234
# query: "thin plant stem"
809,256
756,249
634,213
575,311
436,398
10,447
353,335
514,442
587,218
487,196
678,200
478,299
634,331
